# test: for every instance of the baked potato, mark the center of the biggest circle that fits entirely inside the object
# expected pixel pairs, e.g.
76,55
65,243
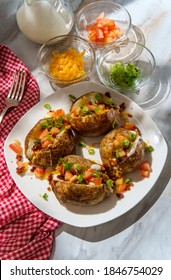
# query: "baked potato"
50,139
122,150
79,181
93,114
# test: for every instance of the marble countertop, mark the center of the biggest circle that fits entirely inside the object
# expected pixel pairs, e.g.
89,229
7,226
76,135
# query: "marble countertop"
144,231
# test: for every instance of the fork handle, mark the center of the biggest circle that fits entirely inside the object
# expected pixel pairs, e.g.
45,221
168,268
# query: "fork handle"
3,113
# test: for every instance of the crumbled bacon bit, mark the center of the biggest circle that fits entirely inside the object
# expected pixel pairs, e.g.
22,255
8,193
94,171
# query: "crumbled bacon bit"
19,157
20,170
120,195
33,168
122,107
60,177
107,94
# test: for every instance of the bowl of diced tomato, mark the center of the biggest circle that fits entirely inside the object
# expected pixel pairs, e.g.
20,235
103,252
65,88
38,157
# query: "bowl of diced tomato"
102,23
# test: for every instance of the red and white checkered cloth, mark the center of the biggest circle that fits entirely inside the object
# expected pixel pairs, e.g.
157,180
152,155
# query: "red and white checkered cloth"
26,233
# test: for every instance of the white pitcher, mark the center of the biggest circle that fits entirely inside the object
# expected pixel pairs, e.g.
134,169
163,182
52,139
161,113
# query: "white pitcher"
41,20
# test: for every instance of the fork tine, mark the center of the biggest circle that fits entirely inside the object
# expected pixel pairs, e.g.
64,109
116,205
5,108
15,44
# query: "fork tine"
21,85
12,86
16,79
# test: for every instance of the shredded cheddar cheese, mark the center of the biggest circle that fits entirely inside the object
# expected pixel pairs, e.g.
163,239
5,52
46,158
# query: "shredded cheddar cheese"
68,65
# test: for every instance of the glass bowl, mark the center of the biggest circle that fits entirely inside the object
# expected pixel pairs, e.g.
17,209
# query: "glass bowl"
75,68
87,15
125,66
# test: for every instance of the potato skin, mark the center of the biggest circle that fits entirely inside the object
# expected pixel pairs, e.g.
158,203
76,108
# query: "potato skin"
125,164
63,145
79,194
95,124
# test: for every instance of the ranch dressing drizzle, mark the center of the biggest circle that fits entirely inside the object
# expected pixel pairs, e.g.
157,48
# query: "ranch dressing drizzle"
133,149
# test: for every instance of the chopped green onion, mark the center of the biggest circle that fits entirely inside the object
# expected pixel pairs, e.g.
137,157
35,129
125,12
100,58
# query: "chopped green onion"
114,124
80,178
62,128
45,196
37,140
124,75
47,106
109,183
149,149
60,160
109,101
97,109
117,154
60,119
127,180
132,136
87,110
96,174
67,165
72,97
82,144
125,143
98,97
91,151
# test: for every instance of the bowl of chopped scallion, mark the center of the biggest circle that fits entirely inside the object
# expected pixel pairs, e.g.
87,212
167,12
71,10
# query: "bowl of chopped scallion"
125,66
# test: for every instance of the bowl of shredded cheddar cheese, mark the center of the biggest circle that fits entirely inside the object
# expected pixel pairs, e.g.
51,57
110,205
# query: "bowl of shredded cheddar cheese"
66,59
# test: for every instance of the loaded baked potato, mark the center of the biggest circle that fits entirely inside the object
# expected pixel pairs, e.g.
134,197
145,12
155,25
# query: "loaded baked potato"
79,181
93,114
122,150
50,139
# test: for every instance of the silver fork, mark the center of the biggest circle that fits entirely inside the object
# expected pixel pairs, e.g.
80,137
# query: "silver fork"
16,91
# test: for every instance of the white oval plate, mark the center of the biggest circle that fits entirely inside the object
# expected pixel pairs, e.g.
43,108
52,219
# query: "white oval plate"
111,208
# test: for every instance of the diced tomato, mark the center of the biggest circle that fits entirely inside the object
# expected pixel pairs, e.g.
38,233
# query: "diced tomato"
119,181
145,166
103,30
43,133
68,175
120,185
114,161
16,147
91,107
122,153
120,188
101,106
145,173
76,111
129,125
55,130
88,174
62,170
57,113
145,169
60,112
45,143
66,123
39,172
48,172
96,180
19,164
